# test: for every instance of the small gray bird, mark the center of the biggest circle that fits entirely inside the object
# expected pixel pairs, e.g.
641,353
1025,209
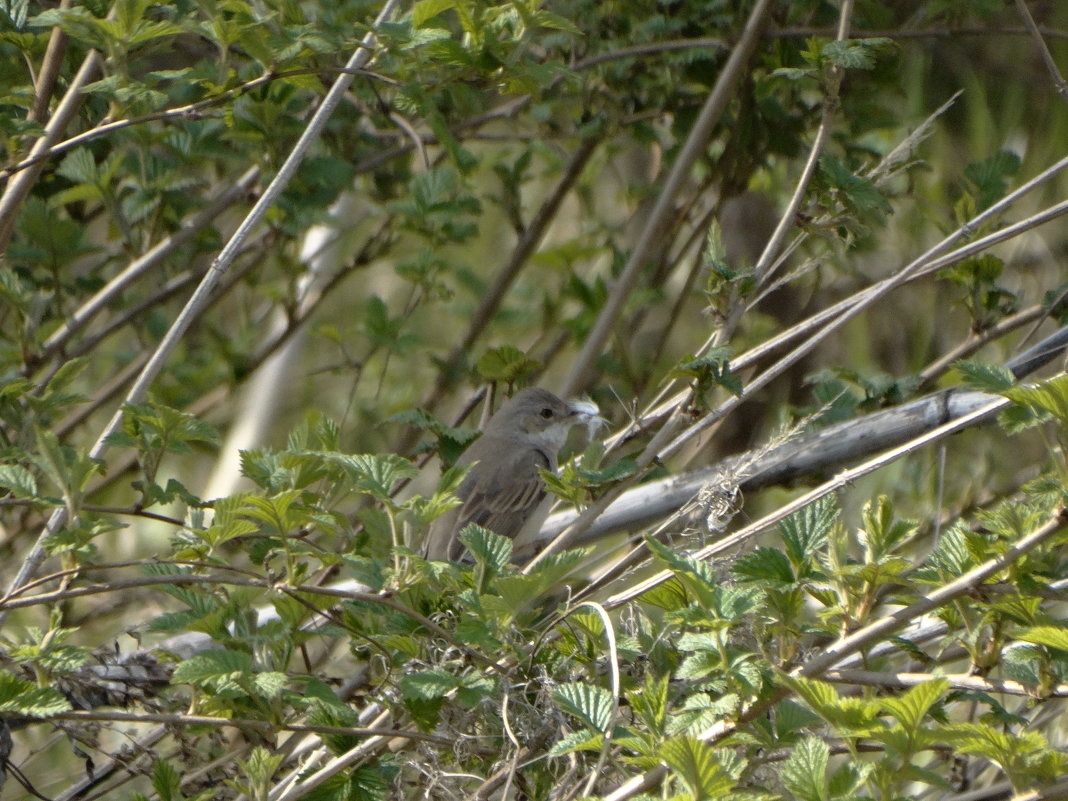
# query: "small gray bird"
503,491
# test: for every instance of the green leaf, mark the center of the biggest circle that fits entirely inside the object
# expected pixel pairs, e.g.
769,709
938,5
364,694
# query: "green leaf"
651,704
506,364
696,576
913,706
16,11
218,670
882,533
1050,397
166,781
452,441
18,480
853,714
989,177
260,767
584,740
1050,636
854,191
984,377
847,780
428,9
275,511
855,53
591,704
269,684
695,764
376,474
23,698
805,532
767,566
488,547
710,370
428,685
805,773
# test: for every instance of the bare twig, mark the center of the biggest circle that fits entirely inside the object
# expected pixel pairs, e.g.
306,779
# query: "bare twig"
958,681
1040,42
941,365
185,719
46,77
141,266
703,126
528,242
763,267
19,187
649,49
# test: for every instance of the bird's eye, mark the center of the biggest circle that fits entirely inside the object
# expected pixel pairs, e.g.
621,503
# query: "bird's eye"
546,412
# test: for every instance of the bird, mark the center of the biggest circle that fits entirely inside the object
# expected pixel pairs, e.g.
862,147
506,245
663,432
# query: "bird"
503,491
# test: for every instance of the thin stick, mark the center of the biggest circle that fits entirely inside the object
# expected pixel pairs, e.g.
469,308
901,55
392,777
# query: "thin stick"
20,186
695,143
1047,57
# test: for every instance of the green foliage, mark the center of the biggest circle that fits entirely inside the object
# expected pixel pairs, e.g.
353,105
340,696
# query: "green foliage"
583,476
984,377
20,697
694,764
591,705
842,393
451,440
986,302
506,364
709,371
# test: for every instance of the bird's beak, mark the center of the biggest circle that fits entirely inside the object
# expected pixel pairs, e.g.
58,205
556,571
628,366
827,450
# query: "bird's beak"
586,413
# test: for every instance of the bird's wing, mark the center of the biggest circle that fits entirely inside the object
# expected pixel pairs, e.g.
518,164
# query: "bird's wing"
500,498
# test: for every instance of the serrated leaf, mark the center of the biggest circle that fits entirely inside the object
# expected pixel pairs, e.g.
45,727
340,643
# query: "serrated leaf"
670,595
984,377
765,565
165,779
695,764
822,698
428,9
1049,396
853,190
270,684
376,474
584,740
1050,636
805,773
18,480
790,717
989,176
591,704
273,511
215,670
651,703
855,53
505,364
23,698
486,546
910,708
848,778
805,532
